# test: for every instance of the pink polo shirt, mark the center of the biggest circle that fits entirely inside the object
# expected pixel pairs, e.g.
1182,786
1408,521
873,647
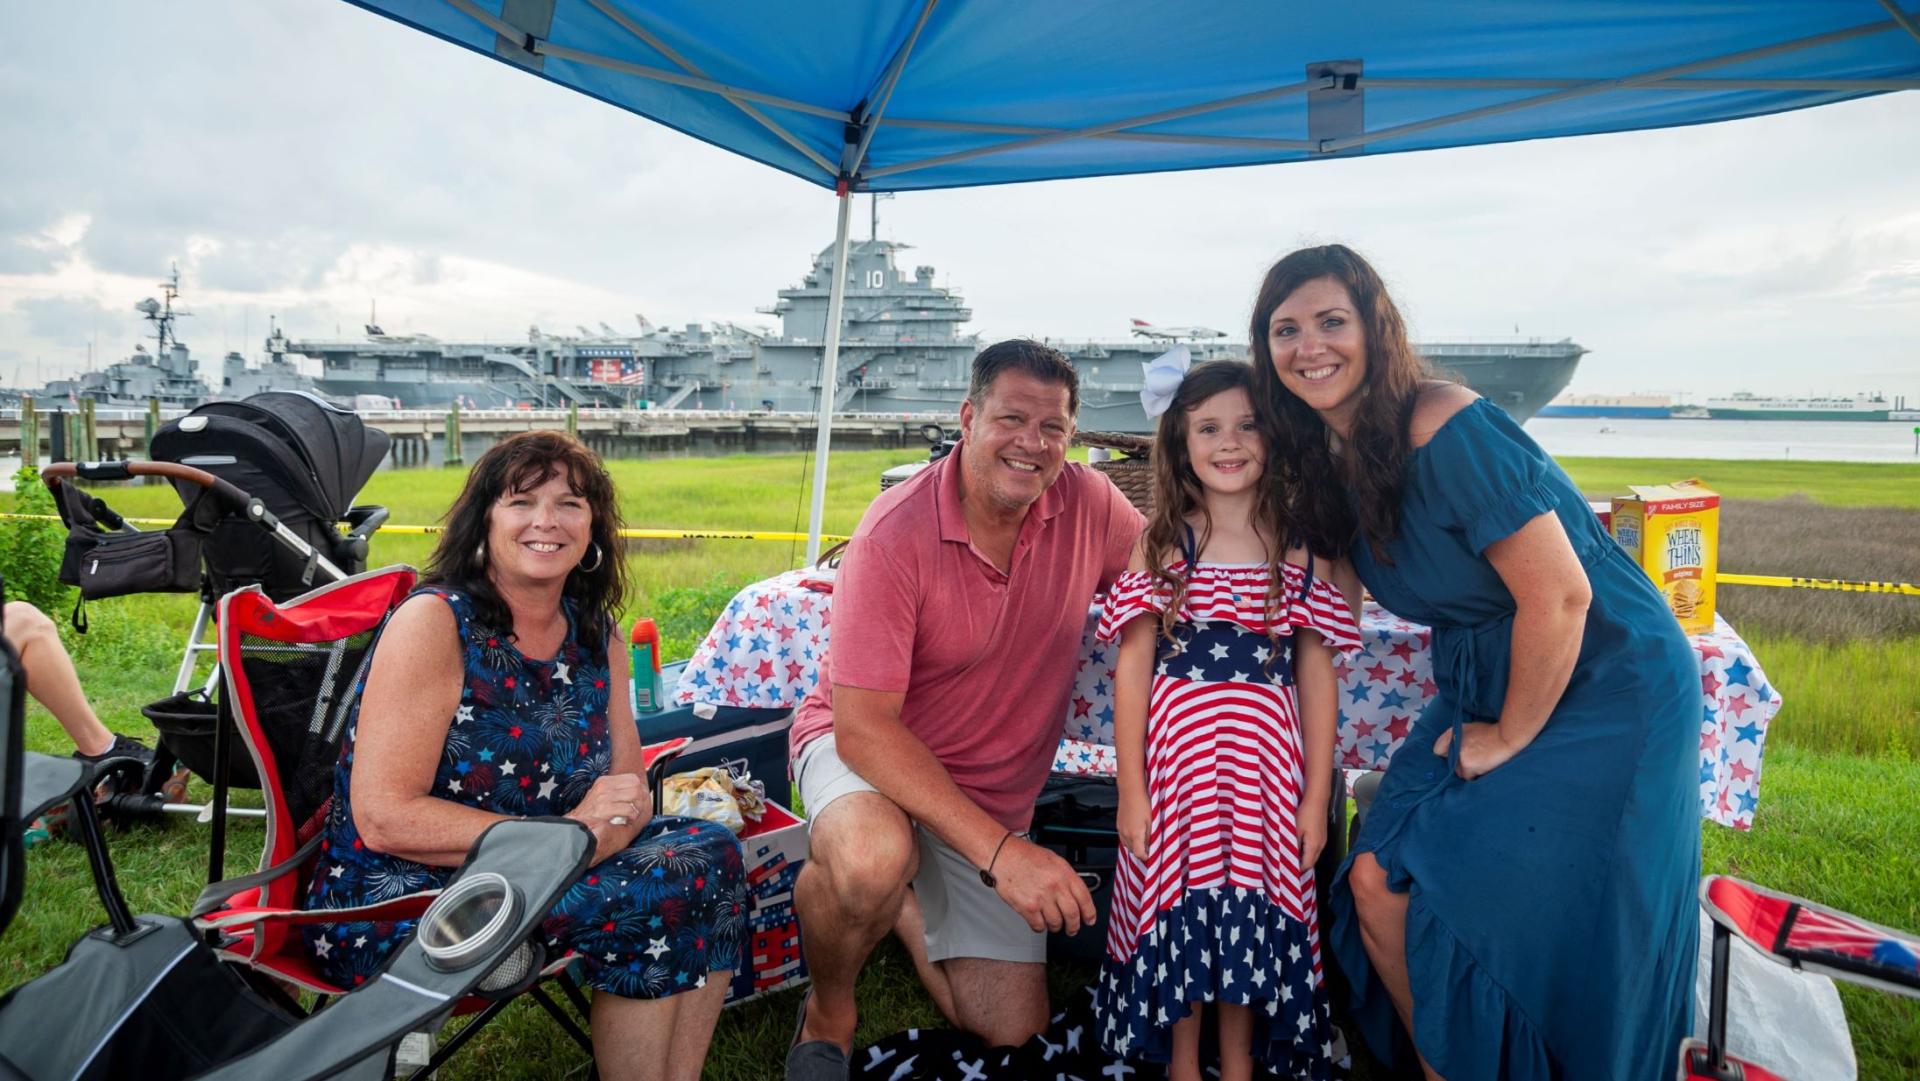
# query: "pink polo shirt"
986,659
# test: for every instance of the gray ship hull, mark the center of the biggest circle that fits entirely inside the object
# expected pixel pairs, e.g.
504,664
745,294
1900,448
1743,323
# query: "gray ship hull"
902,351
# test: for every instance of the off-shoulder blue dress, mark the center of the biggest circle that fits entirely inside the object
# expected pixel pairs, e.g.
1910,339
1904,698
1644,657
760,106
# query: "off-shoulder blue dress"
1551,926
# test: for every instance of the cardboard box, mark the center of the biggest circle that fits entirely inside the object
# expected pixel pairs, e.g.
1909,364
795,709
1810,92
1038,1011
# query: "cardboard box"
1673,532
774,849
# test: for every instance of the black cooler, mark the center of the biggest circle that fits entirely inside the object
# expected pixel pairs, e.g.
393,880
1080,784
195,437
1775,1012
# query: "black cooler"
745,740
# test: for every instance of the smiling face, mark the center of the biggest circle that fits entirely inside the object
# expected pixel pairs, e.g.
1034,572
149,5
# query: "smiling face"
1015,441
1224,444
1319,350
538,534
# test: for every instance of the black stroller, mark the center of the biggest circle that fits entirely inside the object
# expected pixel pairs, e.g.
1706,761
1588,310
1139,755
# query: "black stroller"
267,483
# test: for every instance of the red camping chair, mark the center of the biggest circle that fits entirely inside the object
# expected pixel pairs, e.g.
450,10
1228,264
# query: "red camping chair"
1801,935
293,672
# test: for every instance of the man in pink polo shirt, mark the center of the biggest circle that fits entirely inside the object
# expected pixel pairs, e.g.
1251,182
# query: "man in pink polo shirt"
957,617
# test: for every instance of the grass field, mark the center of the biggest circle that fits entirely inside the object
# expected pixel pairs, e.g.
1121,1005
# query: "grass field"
1836,822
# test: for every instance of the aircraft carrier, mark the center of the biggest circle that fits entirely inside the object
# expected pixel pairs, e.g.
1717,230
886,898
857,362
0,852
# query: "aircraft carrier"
903,349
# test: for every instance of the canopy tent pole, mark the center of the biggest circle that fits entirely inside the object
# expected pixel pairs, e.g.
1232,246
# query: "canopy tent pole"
1906,21
829,373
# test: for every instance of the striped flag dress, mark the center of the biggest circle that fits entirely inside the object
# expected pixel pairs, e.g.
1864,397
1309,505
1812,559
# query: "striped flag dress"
1221,910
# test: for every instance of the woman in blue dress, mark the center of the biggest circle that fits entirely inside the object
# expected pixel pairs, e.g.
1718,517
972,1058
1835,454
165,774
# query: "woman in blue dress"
498,690
1520,898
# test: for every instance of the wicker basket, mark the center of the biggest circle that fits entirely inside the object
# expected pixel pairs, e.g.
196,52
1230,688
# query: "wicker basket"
1133,474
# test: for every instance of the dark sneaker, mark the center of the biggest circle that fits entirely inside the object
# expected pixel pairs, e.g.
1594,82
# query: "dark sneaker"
815,1060
123,747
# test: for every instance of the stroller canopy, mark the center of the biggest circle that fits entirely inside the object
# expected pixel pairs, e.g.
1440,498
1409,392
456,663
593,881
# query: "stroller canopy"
316,454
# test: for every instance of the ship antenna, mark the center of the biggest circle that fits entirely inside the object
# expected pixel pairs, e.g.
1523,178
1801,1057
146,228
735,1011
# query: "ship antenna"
164,317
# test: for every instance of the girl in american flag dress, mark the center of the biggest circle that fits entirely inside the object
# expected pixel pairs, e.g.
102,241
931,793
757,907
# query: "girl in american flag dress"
1225,704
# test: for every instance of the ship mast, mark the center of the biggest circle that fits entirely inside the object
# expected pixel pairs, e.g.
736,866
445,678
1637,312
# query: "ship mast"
162,315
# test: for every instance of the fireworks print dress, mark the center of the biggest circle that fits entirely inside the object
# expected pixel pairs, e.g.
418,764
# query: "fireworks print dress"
1221,911
530,738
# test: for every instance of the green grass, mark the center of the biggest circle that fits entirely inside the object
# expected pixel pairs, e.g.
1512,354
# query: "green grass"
1858,696
1834,484
1835,823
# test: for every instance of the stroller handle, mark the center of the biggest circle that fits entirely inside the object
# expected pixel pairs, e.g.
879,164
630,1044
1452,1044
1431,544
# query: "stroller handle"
53,474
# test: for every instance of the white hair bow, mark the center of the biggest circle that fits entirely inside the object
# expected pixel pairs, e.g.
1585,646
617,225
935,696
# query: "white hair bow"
1160,379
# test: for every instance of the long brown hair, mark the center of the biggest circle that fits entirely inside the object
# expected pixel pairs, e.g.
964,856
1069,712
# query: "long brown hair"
1361,489
1177,493
517,464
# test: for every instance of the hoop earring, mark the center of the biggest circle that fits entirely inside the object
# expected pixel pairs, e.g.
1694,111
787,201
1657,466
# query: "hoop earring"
598,558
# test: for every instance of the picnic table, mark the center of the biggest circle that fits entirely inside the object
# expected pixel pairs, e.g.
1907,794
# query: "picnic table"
764,651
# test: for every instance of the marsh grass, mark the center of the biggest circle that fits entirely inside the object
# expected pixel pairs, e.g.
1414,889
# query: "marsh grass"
1836,822
1797,537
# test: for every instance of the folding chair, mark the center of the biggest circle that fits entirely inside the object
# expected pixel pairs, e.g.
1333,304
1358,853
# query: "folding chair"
1806,938
293,671
145,995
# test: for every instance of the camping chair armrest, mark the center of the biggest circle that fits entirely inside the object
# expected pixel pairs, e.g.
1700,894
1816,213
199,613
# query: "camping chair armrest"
218,894
48,780
246,916
656,757
1813,938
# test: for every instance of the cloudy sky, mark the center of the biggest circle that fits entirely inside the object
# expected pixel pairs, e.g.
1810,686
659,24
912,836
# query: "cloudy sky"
303,159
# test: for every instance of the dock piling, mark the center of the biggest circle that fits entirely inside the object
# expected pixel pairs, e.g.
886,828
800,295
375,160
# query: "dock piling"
30,433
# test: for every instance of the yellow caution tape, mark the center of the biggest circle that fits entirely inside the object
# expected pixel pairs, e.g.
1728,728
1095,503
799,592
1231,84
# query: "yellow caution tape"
1842,584
629,534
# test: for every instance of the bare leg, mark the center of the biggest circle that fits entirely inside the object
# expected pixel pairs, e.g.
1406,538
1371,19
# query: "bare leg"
862,856
1236,1042
1002,1002
1383,931
51,678
693,1029
911,928
1185,1065
632,1037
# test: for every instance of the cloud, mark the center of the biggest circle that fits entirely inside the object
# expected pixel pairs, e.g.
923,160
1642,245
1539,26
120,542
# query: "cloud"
65,319
20,255
308,158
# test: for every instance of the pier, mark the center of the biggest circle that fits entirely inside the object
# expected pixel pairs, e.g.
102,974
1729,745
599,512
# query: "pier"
424,437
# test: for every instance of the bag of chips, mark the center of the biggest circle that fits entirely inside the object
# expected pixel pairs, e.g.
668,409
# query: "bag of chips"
716,795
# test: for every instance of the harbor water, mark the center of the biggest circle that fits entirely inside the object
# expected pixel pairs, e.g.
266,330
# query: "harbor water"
1747,440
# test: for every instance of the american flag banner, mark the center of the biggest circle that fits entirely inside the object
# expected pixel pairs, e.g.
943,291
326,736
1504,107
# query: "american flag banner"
624,371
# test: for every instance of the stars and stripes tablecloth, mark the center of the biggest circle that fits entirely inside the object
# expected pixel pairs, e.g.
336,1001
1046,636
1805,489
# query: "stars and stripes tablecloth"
765,649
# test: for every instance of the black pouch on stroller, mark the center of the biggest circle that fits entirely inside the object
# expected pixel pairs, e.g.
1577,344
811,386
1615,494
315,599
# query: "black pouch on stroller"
106,561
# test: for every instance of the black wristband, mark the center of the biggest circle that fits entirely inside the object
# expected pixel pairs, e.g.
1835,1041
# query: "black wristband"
986,876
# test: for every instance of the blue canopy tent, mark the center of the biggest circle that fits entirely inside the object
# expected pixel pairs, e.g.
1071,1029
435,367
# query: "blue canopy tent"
900,95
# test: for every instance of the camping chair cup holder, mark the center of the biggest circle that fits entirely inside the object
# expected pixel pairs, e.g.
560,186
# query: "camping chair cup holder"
468,922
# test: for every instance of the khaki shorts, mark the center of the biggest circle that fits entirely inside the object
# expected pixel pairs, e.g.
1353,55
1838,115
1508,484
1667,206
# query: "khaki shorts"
964,916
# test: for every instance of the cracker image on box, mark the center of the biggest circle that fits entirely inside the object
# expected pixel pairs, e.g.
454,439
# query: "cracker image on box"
1673,532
